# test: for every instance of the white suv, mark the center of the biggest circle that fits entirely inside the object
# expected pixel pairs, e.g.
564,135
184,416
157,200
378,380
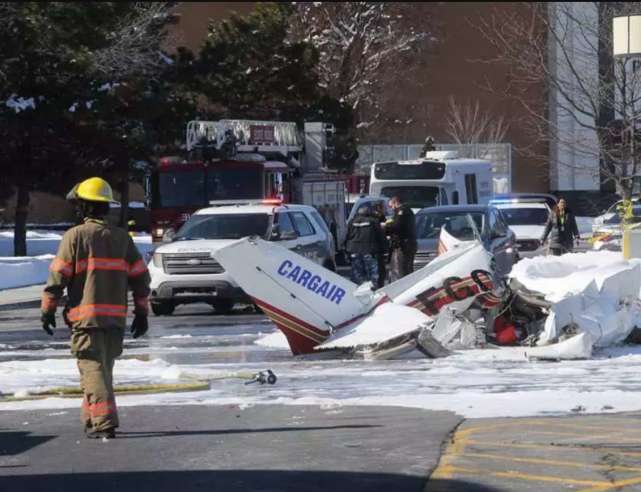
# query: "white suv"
184,271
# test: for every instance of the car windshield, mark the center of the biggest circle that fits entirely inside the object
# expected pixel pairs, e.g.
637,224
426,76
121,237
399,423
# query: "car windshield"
371,205
223,226
180,189
195,188
428,225
525,216
416,196
616,218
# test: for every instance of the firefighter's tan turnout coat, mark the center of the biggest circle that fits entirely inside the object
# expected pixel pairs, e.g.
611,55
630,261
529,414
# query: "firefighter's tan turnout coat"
97,264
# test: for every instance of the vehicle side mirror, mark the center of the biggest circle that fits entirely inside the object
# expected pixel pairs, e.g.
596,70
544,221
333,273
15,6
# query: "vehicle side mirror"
455,198
287,236
275,234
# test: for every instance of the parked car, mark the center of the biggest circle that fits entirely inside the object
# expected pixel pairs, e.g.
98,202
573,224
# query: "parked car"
185,270
610,216
607,234
549,200
491,228
527,219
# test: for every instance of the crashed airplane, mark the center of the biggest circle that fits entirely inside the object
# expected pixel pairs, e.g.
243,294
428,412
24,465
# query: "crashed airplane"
454,302
320,310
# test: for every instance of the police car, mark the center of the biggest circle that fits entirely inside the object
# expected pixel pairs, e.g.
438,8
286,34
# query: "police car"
527,217
185,271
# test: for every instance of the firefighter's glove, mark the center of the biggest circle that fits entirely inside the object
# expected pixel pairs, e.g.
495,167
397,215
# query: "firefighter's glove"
48,322
65,316
139,326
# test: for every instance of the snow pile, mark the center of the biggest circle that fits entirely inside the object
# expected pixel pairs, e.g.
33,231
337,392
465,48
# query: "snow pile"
23,271
43,245
20,103
38,242
596,292
276,340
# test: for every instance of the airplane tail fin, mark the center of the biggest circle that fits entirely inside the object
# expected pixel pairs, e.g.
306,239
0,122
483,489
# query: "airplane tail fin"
306,301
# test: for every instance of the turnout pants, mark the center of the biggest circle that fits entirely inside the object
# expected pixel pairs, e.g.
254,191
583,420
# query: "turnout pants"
96,350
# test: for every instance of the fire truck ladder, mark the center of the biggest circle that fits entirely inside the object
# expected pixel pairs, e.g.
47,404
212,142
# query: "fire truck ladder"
248,135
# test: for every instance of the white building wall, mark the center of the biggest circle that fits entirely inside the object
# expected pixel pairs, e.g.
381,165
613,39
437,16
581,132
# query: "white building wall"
574,154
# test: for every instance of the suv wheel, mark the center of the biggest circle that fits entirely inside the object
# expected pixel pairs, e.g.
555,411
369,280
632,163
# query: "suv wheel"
223,306
162,308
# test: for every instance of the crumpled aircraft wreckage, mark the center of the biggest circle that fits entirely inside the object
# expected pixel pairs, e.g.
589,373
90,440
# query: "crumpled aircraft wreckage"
550,308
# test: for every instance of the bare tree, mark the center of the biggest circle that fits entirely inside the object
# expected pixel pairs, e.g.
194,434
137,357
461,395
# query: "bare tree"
468,124
593,99
134,48
358,44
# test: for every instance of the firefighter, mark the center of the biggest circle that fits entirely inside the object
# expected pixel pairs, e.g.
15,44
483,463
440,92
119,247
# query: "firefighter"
402,231
96,263
365,241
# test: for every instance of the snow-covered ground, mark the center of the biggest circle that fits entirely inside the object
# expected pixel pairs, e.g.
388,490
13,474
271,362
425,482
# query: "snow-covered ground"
23,271
475,383
41,247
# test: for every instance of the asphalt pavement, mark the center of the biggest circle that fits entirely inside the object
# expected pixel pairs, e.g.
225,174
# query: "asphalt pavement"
225,448
579,452
271,447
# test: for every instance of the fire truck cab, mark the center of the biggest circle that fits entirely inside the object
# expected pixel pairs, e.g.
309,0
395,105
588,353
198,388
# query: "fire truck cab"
226,160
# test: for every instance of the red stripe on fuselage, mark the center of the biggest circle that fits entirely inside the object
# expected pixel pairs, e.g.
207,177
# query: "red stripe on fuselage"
282,313
299,342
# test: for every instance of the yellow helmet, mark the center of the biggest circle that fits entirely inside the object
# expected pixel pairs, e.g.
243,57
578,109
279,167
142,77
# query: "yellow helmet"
92,190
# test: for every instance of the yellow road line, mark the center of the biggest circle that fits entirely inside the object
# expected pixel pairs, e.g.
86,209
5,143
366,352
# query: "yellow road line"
540,461
544,423
617,484
594,427
527,445
529,477
463,438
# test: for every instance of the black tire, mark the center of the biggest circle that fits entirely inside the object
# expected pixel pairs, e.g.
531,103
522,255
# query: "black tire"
223,306
163,308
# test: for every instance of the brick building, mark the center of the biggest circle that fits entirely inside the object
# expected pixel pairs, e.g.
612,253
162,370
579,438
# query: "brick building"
418,105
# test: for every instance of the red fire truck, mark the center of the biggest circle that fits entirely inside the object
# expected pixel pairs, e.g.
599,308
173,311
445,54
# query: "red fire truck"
243,159
226,160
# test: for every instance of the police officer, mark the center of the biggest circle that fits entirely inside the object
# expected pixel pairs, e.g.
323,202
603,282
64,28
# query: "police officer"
96,263
561,229
402,231
379,212
365,241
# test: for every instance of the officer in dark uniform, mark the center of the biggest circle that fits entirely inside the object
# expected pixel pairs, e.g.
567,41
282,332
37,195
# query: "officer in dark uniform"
364,242
402,231
381,257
